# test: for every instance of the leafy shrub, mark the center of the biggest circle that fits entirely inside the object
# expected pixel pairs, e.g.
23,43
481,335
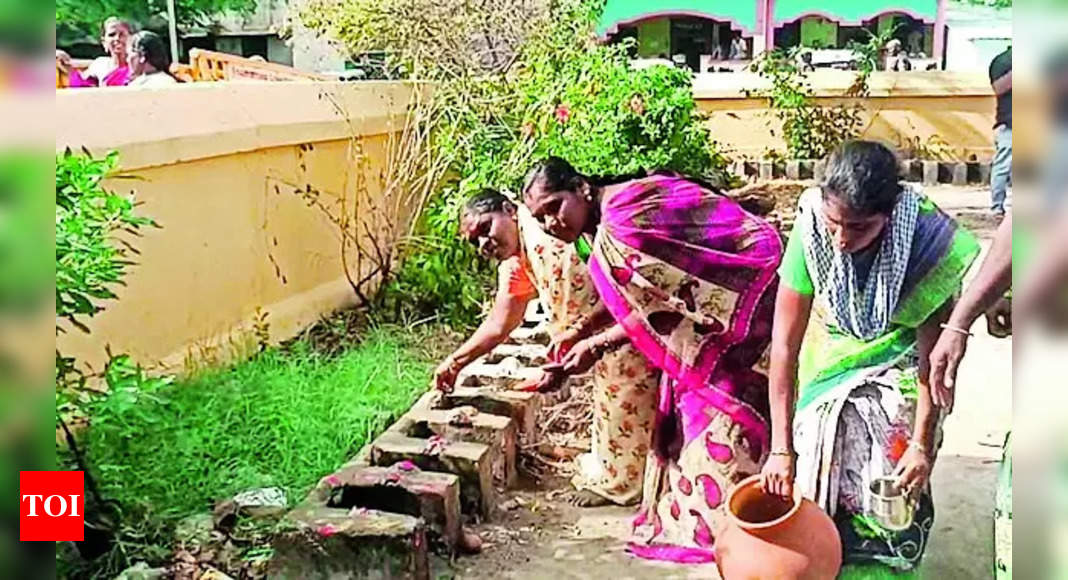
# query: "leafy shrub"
91,257
810,131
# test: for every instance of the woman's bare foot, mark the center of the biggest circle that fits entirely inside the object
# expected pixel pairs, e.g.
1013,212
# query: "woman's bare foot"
585,498
470,542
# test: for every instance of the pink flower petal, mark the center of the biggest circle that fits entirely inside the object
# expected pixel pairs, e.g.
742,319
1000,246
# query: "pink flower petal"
326,530
406,465
332,480
675,510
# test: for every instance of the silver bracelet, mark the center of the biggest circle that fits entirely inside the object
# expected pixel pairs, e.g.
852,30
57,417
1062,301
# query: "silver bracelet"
956,329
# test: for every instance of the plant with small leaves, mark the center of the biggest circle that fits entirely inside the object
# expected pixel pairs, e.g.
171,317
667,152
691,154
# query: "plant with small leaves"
811,131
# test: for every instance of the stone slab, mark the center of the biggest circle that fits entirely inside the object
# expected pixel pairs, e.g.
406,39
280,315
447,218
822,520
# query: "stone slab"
521,406
471,462
322,542
526,354
496,431
432,496
507,373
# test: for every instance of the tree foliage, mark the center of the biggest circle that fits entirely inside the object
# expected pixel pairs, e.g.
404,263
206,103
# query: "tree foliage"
514,84
78,20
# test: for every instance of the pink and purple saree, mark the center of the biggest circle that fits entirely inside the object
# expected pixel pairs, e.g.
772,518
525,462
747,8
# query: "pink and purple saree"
692,278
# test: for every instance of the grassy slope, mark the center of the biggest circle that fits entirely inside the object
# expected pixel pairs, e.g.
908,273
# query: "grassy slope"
282,419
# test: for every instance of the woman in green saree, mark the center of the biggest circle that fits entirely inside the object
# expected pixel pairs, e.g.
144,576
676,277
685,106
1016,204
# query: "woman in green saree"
868,277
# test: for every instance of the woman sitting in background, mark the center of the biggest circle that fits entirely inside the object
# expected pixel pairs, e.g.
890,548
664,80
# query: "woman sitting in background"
150,62
877,267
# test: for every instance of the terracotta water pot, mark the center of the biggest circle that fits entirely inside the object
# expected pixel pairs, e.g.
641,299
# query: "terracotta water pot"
773,537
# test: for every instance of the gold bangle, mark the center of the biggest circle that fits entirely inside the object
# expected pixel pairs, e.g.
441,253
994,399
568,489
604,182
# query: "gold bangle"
918,445
956,329
782,452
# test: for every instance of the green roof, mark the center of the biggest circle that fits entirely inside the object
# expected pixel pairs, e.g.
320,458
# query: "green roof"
742,14
852,11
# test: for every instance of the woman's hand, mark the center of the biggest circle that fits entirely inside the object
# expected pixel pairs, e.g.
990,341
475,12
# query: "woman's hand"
999,319
63,61
581,357
944,360
552,378
562,343
912,470
445,375
777,475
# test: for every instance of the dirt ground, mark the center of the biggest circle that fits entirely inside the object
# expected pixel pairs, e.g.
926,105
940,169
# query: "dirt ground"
545,538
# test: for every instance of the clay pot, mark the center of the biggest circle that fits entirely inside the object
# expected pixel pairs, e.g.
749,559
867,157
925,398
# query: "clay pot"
767,536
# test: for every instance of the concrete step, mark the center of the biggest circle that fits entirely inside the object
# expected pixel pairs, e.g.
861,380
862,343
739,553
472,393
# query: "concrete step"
324,542
521,406
536,335
536,312
505,374
496,431
528,355
471,462
403,489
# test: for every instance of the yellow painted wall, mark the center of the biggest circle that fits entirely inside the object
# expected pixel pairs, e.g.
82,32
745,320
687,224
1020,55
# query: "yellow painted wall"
957,107
218,165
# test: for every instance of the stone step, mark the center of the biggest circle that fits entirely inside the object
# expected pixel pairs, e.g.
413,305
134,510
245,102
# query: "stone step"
505,374
536,335
471,462
324,542
496,431
528,355
536,312
433,496
521,406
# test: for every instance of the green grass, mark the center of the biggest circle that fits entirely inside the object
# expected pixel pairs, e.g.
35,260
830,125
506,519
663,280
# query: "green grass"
285,418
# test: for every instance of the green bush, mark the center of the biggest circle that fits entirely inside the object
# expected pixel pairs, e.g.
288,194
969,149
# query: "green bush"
91,257
567,95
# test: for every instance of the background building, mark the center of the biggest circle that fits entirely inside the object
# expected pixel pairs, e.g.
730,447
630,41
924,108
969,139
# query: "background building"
708,35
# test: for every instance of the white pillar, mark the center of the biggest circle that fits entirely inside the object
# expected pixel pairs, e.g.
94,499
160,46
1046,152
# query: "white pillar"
173,27
759,41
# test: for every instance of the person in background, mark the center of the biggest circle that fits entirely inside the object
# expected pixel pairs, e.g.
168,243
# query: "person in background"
915,44
111,70
687,277
150,61
869,274
1001,168
533,265
985,294
896,59
739,50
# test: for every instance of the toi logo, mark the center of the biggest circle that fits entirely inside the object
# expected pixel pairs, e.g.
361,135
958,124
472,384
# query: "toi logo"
51,506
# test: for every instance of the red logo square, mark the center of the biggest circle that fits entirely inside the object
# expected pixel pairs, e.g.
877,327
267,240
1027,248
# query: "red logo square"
51,506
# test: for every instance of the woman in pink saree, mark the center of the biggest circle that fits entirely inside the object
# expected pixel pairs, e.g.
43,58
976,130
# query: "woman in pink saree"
110,70
689,278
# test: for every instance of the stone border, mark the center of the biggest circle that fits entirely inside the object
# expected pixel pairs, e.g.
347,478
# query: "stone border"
436,470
